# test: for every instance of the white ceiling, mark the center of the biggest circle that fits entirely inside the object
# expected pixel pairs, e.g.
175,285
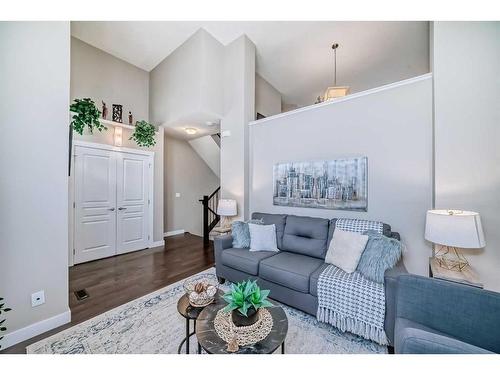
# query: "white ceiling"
294,56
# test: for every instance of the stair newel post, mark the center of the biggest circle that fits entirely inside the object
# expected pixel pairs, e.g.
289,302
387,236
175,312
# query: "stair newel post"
206,229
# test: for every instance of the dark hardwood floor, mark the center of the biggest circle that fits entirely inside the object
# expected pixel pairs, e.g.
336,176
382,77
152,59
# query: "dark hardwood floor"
114,281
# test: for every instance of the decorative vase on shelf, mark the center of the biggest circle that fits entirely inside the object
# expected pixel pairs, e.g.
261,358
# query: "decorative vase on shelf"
241,320
104,110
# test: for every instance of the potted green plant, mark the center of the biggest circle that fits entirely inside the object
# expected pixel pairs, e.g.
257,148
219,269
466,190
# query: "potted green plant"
244,301
3,309
86,115
144,134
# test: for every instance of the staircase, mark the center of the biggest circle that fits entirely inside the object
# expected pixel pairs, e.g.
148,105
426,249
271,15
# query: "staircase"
210,217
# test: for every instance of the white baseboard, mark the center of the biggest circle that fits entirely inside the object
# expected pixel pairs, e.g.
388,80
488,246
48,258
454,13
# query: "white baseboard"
174,232
158,243
35,329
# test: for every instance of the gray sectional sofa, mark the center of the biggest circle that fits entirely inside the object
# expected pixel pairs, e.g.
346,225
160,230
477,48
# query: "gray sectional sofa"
292,274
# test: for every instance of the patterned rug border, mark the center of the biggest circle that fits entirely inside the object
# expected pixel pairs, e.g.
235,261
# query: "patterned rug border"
307,334
30,348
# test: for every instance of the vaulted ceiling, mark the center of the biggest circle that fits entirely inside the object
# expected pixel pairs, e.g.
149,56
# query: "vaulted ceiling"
294,56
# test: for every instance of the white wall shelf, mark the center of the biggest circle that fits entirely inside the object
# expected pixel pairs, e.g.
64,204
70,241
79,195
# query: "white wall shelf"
115,124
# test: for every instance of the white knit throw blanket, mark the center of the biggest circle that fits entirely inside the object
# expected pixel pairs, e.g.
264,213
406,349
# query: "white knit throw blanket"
352,303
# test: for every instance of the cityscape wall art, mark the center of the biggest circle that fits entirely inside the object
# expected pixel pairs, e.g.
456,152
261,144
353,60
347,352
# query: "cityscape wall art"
340,184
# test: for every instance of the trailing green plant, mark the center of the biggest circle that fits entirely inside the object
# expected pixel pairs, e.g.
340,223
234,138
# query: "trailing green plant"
3,309
144,134
245,295
86,115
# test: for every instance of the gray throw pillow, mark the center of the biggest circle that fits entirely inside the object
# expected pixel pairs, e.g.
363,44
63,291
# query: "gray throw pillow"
241,233
380,254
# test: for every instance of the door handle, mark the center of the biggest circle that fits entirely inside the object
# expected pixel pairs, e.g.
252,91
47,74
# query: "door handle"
122,208
111,209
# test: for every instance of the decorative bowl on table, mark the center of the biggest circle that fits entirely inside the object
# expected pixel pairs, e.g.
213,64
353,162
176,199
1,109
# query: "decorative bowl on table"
201,290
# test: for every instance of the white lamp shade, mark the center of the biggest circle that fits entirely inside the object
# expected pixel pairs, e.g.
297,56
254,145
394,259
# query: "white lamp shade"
455,228
226,207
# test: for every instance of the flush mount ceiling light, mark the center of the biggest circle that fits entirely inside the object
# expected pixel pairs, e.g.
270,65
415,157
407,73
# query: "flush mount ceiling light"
335,91
191,131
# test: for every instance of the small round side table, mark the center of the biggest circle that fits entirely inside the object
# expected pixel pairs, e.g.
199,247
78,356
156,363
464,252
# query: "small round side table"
191,313
211,342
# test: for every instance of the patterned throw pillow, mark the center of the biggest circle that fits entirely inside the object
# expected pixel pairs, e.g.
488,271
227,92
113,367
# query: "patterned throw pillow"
381,253
241,233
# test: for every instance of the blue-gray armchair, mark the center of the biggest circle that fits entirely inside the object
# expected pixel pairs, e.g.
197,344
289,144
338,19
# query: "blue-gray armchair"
437,316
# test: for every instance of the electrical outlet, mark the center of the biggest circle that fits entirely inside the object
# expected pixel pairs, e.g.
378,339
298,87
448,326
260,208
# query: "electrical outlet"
177,195
38,298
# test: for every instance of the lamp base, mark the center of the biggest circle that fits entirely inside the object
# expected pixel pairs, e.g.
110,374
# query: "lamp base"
225,222
450,258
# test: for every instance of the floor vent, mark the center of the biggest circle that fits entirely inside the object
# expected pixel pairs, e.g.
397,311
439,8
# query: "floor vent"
81,294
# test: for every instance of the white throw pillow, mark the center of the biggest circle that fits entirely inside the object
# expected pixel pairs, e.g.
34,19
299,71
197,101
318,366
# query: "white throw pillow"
262,237
345,249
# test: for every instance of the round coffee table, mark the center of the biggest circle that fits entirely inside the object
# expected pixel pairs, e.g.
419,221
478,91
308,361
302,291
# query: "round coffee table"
191,313
213,344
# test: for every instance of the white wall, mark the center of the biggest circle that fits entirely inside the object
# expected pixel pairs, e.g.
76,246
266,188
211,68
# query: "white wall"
466,63
186,87
101,76
185,173
209,151
267,98
239,110
392,127
35,80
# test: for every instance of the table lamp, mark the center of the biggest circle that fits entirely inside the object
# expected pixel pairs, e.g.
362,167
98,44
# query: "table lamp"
225,209
453,229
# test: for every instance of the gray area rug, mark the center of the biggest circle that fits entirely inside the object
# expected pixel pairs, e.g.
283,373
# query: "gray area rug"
151,324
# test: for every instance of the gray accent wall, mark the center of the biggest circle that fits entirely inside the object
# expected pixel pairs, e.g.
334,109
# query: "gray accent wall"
467,131
392,126
34,91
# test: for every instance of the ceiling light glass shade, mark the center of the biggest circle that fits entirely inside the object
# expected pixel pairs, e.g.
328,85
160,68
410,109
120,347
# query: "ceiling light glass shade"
455,228
118,136
191,131
226,207
336,92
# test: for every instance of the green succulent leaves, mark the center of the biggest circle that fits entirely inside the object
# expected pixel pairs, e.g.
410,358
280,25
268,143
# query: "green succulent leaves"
86,115
245,295
144,134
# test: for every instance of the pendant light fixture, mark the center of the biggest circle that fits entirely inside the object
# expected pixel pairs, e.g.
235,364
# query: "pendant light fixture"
335,91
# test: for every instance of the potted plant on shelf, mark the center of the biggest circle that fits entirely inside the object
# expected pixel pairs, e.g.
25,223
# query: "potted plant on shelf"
87,115
144,134
244,301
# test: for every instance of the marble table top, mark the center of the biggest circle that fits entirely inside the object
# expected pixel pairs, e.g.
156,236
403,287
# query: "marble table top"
213,344
192,312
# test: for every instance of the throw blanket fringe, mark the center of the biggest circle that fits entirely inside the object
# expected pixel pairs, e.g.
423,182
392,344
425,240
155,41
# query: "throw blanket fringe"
348,324
352,303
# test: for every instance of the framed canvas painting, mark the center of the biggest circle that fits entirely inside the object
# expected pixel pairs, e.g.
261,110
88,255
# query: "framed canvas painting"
339,184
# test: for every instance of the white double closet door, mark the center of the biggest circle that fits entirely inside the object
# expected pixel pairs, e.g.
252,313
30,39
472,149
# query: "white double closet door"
112,202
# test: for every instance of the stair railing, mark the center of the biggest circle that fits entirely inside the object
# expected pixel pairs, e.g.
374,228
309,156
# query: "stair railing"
210,217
